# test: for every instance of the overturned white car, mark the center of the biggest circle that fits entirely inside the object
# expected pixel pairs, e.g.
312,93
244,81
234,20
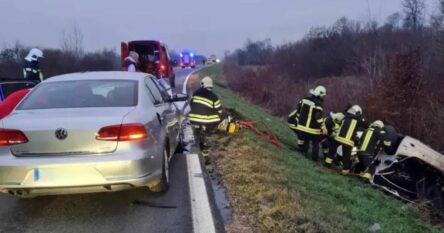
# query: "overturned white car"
414,172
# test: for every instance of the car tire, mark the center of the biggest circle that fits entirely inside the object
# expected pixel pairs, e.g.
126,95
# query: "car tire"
164,183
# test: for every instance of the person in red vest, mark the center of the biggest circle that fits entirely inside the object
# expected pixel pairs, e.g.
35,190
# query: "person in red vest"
11,101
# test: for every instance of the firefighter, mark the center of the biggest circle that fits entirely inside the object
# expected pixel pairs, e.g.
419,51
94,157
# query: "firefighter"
31,67
310,123
205,114
292,124
370,145
131,61
347,137
332,124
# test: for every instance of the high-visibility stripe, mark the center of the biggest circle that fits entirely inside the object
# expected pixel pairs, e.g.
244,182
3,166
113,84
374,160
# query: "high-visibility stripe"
301,142
217,102
310,113
203,120
172,123
24,73
217,105
203,103
351,129
387,143
328,160
292,113
203,116
41,76
308,130
292,126
345,141
28,69
210,102
367,138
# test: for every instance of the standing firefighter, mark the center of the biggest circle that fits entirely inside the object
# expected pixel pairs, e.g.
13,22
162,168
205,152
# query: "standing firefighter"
31,68
347,137
310,123
205,113
369,147
332,124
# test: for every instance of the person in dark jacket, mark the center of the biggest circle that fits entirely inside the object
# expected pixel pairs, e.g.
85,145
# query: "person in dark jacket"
310,122
131,61
31,67
205,114
369,146
347,137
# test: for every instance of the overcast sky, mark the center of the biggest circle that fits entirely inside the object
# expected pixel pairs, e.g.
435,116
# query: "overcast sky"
207,26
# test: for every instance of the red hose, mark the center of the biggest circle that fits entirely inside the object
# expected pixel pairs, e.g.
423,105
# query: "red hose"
268,136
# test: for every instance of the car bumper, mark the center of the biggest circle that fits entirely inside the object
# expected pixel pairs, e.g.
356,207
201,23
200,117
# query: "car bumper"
86,174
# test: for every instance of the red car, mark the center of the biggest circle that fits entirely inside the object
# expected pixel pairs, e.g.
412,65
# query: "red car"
154,58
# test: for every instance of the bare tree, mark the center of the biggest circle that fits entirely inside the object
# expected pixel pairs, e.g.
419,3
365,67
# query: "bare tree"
394,20
72,41
413,14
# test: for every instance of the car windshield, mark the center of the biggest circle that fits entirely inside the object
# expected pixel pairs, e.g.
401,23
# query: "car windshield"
82,94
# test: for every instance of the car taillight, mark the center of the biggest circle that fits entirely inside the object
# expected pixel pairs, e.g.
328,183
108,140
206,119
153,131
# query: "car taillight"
162,67
9,137
124,132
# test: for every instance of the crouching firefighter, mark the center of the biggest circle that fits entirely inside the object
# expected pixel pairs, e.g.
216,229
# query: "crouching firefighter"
310,123
347,137
205,114
370,145
332,124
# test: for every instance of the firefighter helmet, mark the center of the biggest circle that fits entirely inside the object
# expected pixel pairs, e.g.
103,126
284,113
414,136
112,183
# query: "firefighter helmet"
206,82
378,124
319,91
337,117
34,54
355,110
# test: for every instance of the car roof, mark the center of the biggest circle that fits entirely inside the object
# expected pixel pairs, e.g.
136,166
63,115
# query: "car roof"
99,75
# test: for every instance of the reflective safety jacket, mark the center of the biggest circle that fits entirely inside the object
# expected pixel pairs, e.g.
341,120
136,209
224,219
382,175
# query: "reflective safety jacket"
205,107
309,115
371,141
31,71
293,120
349,127
332,126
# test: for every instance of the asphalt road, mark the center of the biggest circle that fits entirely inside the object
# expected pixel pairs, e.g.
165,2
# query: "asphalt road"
127,211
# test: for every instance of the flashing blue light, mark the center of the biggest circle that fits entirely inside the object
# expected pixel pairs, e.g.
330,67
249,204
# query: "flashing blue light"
181,55
191,54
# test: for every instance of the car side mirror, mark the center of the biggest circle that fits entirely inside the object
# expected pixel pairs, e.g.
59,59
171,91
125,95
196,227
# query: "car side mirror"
179,98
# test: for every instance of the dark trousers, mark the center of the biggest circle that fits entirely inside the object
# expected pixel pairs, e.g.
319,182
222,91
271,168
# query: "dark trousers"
202,131
346,157
328,146
366,161
312,139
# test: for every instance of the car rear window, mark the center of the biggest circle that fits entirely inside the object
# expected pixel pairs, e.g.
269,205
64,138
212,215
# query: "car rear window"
82,94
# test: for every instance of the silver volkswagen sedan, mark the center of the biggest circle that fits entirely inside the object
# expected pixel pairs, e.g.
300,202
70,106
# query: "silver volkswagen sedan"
90,132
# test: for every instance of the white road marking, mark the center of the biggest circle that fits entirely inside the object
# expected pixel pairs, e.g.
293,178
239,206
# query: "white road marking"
184,88
200,205
203,221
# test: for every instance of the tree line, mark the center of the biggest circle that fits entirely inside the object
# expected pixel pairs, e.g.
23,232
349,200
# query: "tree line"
394,69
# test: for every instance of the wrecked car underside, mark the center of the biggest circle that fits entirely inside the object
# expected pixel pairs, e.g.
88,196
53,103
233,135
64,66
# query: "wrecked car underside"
414,173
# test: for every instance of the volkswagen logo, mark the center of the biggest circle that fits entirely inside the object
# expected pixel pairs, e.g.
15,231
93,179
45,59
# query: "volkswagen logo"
61,134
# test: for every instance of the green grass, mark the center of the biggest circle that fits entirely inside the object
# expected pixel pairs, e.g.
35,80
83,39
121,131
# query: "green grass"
327,201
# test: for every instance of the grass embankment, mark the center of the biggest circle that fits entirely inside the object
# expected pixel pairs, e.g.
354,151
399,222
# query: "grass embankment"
277,190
